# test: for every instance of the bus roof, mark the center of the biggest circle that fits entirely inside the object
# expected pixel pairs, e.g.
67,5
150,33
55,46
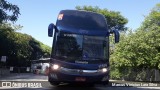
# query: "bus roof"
42,60
80,19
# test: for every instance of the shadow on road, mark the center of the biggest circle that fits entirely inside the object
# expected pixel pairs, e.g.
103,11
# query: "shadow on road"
74,87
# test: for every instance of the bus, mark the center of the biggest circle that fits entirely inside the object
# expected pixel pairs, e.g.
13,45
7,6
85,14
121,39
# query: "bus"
80,49
40,66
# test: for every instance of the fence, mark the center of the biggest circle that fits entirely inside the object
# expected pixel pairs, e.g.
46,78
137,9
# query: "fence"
144,74
7,69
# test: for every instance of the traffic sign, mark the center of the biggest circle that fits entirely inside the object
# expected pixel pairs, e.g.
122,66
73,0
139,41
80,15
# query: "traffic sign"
3,58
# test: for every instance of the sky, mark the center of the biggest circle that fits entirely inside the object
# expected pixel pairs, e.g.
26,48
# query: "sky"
36,15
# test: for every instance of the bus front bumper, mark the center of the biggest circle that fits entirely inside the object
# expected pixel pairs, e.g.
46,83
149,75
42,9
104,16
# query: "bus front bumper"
90,76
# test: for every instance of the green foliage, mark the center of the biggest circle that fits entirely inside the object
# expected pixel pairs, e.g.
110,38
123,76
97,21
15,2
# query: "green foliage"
114,19
6,7
20,47
152,19
140,49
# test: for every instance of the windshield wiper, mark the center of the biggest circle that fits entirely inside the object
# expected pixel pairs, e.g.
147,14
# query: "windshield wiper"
92,58
98,58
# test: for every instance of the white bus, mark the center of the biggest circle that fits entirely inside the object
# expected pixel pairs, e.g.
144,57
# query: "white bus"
40,66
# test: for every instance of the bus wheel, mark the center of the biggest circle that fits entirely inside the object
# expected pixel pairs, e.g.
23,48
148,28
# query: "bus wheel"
106,82
54,83
91,85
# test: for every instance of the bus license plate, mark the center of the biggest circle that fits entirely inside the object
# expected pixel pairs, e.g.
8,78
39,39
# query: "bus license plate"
80,79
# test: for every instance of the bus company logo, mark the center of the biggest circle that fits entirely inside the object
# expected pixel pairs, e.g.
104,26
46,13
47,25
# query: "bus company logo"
60,16
6,84
83,31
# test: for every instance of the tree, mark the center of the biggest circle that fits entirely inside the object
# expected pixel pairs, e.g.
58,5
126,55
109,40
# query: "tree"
20,48
114,19
152,19
151,26
6,7
139,49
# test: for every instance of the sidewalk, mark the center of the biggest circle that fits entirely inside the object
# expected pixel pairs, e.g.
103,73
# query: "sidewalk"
23,76
4,72
11,75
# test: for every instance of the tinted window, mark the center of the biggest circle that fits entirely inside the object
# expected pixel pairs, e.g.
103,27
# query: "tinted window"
81,47
94,48
81,20
69,46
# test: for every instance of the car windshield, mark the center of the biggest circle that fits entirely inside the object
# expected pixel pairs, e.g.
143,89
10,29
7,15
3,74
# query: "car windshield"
81,47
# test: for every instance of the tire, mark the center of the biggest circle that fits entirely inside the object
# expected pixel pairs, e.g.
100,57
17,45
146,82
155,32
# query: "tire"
91,85
54,83
106,82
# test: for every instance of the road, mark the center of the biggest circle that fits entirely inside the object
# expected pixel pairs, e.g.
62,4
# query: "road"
29,81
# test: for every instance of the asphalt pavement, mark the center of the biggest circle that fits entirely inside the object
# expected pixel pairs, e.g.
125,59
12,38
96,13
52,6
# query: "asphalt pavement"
30,81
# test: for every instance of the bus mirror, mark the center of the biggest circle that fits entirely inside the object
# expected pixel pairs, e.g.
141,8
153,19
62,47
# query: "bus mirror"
50,29
116,35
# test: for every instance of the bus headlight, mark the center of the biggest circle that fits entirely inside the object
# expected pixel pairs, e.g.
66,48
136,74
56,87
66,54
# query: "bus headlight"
55,66
104,70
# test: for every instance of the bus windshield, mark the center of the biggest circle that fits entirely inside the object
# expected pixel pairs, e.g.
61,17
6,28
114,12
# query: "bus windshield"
81,20
81,47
